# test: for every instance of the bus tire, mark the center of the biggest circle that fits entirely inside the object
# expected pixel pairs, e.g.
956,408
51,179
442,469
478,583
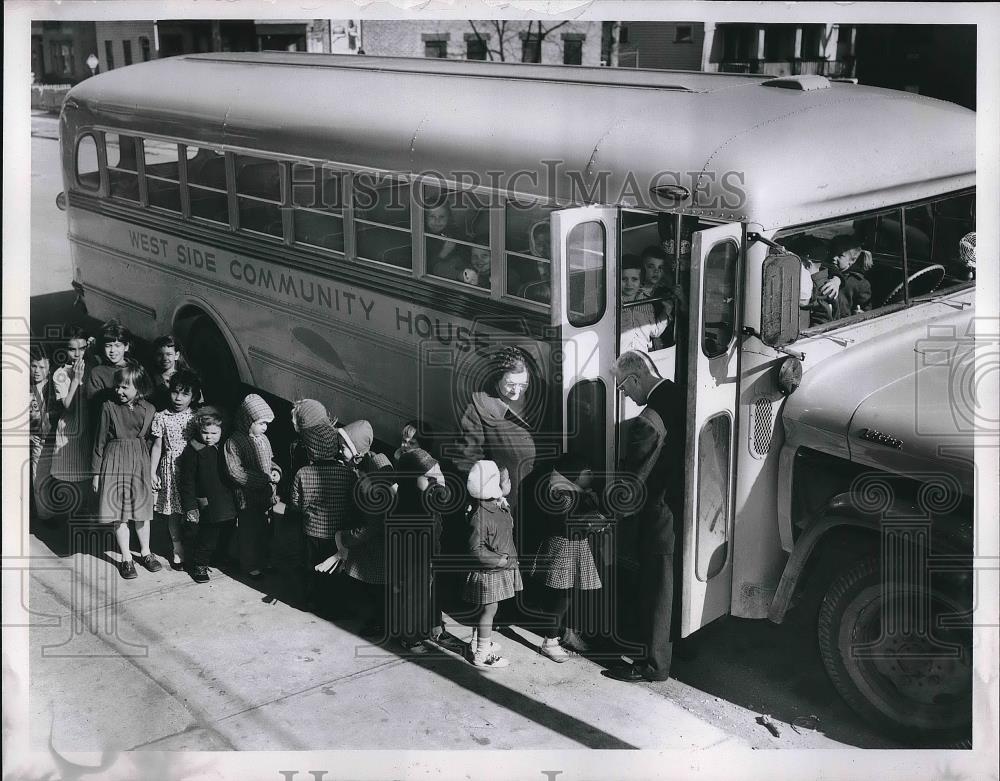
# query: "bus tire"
207,350
925,701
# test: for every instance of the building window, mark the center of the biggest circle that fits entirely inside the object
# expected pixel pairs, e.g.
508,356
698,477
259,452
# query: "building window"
572,52
127,51
109,55
63,59
144,48
531,48
812,42
683,34
739,43
779,43
436,49
475,49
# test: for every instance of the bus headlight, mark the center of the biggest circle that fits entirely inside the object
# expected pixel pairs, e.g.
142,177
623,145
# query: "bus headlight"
789,375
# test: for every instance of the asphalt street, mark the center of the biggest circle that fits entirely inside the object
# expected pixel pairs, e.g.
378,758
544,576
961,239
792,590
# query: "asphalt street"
236,665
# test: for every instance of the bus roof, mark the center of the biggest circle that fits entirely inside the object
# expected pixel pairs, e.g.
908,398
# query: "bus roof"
776,152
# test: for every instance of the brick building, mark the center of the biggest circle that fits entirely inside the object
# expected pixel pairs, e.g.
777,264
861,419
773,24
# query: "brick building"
59,51
570,43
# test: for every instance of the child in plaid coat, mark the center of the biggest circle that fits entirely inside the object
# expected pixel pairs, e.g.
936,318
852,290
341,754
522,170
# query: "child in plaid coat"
322,490
491,543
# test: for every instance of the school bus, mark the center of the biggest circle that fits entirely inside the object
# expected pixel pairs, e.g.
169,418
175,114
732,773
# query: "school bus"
364,230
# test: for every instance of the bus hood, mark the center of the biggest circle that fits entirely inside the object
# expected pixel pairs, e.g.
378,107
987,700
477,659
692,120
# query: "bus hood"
903,401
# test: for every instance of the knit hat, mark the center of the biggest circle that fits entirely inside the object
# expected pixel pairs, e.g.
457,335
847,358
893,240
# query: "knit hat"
357,436
252,409
484,481
308,413
320,441
416,462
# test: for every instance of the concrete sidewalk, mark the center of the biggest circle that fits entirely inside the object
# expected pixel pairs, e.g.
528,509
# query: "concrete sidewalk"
162,663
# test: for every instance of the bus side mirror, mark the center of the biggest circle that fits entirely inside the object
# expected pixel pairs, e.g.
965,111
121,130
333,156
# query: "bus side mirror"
779,306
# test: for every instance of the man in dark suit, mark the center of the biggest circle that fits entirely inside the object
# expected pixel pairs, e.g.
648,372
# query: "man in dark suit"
652,459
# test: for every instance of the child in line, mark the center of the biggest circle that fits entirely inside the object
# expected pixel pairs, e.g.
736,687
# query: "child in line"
248,462
205,496
72,447
113,344
361,551
421,495
121,465
322,490
565,562
491,544
166,362
42,409
171,430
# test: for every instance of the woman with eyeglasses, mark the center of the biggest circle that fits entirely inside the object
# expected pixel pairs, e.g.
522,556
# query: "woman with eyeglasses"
497,424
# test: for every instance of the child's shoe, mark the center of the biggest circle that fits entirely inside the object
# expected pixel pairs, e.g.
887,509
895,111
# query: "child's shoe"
150,562
199,574
574,641
475,640
127,569
551,648
486,659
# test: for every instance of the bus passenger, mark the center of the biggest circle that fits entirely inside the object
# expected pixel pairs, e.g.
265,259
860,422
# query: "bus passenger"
491,545
248,461
438,230
206,497
848,289
654,260
641,326
322,493
170,431
67,487
121,465
814,307
497,424
480,262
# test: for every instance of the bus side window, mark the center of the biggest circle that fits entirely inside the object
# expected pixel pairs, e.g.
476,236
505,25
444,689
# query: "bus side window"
258,195
206,177
528,247
456,236
382,220
318,206
122,155
162,174
88,174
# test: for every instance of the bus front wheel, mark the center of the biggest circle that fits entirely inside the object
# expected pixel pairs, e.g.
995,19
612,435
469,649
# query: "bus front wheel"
901,657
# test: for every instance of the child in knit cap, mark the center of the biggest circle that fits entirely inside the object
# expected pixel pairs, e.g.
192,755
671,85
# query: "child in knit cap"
248,460
491,544
356,444
309,413
421,495
322,491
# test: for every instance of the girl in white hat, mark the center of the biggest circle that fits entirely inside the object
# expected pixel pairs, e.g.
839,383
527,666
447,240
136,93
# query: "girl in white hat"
491,543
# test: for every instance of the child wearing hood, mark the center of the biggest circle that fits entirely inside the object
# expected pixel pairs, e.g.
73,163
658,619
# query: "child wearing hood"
249,457
322,490
491,544
422,495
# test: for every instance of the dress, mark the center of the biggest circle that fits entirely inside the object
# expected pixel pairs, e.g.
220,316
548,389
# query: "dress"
121,458
564,557
491,537
175,430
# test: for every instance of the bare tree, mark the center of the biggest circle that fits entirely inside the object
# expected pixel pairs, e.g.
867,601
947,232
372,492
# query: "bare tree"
507,36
